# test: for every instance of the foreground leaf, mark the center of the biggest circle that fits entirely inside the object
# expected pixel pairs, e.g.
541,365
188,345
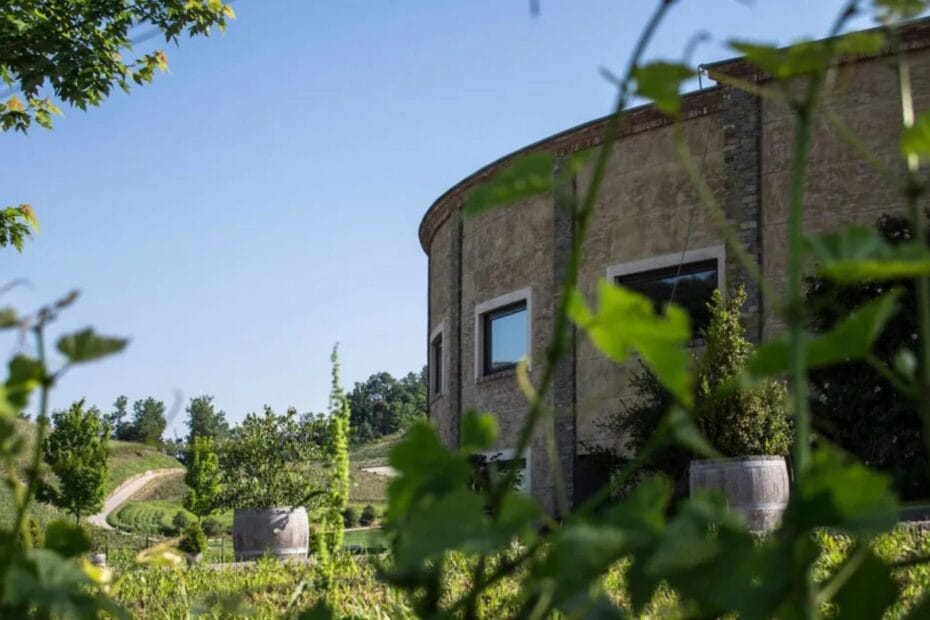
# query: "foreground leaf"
86,346
859,253
851,339
626,321
528,176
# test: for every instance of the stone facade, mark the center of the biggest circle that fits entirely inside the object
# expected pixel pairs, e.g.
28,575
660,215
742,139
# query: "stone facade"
648,215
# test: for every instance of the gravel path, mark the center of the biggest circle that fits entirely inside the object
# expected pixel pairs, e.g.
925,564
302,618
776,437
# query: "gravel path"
124,492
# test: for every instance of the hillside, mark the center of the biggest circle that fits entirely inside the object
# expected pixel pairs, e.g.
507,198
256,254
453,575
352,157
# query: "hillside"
126,460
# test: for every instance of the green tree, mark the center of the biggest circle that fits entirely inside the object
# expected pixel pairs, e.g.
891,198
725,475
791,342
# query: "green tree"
148,421
852,404
202,477
267,463
205,421
118,421
76,452
382,405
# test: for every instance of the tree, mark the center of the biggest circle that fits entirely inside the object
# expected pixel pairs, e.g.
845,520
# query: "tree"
148,421
202,477
204,421
76,452
266,463
852,404
382,405
78,49
117,419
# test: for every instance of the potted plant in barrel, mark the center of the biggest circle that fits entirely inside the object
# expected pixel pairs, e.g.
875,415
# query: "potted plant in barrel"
268,478
751,427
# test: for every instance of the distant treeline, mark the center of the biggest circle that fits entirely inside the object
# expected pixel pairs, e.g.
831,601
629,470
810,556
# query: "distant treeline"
381,405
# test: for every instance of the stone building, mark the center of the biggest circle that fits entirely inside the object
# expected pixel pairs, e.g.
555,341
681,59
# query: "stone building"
493,278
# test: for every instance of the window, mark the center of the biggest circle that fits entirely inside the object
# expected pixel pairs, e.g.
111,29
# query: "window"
437,361
504,337
494,466
687,279
502,330
437,364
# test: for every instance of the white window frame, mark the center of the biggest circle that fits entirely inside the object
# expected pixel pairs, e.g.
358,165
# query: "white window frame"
524,294
664,261
509,454
440,330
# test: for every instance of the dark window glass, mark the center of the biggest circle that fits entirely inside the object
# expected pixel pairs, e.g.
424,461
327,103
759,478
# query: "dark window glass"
690,286
504,337
437,365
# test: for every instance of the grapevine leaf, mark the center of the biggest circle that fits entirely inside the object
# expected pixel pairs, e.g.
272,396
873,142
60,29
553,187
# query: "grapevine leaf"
851,339
837,492
660,82
869,591
859,253
627,321
528,176
86,346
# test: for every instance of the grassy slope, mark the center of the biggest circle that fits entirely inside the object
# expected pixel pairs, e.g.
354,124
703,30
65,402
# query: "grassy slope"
126,460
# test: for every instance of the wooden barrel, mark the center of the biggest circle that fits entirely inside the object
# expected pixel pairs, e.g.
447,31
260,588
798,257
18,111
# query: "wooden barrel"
282,532
755,486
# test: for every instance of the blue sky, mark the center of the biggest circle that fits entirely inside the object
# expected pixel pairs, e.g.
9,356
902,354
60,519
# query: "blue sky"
261,201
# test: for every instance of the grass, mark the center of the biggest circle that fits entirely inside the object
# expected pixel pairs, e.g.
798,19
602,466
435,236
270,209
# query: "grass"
155,516
371,538
376,452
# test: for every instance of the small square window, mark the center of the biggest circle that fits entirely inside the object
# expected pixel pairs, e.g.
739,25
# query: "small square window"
690,285
505,337
436,365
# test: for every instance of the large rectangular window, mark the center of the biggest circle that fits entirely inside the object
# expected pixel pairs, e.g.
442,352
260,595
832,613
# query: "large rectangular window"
689,285
436,364
505,336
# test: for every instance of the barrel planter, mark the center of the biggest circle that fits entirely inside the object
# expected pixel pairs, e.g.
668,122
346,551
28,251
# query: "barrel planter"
754,486
281,532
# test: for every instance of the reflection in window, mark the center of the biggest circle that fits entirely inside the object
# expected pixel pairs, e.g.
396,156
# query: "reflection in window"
505,337
690,285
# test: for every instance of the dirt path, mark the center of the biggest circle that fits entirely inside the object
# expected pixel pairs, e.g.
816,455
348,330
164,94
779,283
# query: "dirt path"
124,492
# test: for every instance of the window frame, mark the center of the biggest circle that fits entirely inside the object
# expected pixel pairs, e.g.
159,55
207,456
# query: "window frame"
653,264
441,364
484,313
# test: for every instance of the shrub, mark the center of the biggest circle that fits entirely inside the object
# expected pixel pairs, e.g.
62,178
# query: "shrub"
193,541
350,517
212,527
180,521
739,423
369,514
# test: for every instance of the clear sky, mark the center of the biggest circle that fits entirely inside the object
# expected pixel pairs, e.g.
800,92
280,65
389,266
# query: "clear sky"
261,201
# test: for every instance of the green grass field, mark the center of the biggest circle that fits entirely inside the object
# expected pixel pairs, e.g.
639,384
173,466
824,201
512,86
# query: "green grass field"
154,516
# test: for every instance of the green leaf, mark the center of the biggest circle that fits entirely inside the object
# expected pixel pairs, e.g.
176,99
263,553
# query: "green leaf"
660,82
837,492
851,339
8,318
808,58
528,176
626,321
915,140
66,539
685,432
900,9
55,585
86,346
479,431
455,521
860,253
869,591
26,374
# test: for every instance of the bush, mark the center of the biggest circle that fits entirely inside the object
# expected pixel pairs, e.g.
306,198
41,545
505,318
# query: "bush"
852,404
739,423
369,514
212,527
350,517
180,521
193,541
